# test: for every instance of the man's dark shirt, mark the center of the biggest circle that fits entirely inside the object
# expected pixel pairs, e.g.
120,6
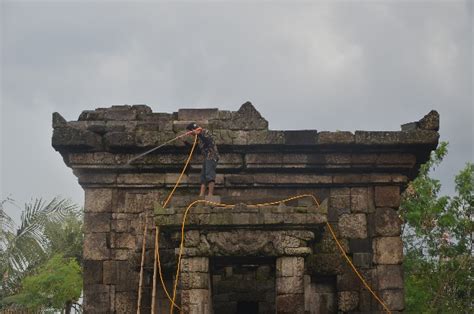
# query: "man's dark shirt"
207,145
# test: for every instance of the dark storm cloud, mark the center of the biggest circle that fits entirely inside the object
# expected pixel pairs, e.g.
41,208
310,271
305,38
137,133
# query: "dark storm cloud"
326,66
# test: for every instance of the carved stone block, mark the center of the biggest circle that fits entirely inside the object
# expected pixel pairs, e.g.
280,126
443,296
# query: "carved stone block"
353,226
387,222
388,250
387,196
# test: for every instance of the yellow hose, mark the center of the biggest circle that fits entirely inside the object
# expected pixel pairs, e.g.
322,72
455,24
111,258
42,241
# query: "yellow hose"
222,205
157,251
262,205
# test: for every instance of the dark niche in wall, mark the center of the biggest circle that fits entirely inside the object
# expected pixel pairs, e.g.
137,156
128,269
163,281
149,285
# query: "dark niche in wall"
243,285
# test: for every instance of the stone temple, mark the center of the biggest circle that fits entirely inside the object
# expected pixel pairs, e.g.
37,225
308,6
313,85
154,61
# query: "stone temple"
270,259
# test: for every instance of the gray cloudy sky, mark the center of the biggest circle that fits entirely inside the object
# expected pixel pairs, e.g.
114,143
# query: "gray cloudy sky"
335,65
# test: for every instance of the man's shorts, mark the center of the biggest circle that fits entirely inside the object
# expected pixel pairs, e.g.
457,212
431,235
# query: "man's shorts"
208,171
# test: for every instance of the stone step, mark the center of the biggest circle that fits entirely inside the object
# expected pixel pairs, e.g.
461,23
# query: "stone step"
213,198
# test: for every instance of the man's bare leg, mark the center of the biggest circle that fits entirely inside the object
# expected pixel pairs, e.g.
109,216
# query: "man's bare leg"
211,188
203,190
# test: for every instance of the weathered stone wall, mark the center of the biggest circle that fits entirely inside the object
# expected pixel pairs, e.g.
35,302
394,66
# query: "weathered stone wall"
358,178
369,228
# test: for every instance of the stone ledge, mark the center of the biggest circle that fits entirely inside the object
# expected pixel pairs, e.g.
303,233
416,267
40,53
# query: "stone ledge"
303,162
415,137
102,178
136,127
206,216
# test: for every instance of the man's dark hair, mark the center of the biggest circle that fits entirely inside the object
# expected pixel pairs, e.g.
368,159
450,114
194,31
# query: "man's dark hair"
192,126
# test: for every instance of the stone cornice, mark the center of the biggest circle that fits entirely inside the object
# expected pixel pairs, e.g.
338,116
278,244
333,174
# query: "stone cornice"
135,128
103,140
241,216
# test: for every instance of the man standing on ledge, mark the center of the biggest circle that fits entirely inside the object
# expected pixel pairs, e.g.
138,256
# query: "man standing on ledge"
209,151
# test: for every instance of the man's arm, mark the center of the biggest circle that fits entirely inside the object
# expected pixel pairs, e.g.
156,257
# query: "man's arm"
187,144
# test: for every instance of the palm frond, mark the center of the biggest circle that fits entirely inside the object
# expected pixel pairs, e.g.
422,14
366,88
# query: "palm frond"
38,213
7,224
27,245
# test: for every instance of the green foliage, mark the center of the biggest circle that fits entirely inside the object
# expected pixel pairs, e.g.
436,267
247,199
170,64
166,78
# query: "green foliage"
57,283
437,236
66,237
417,289
46,229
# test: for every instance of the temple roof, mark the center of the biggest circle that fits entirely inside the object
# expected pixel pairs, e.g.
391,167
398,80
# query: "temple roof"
136,127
